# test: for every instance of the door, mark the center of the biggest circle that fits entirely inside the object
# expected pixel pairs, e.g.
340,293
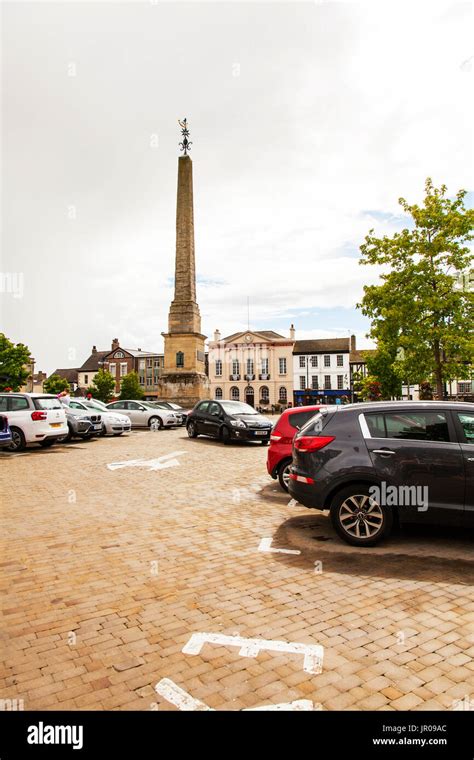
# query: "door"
418,453
213,420
199,417
464,422
249,395
137,413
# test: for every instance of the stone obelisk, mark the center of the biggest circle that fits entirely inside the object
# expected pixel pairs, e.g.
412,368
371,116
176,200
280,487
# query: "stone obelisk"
184,380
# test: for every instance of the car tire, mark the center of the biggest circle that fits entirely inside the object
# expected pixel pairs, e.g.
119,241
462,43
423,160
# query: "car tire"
47,442
265,442
157,420
103,431
69,435
225,435
18,440
362,530
191,429
117,434
284,473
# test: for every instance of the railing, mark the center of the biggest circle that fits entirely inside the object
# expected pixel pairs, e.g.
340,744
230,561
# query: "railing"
264,377
249,377
234,378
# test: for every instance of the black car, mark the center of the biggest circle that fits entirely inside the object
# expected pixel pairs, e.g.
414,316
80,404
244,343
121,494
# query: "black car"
371,464
228,421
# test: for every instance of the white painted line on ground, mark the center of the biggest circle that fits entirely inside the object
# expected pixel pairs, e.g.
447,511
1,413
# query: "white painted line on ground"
160,463
292,503
313,653
265,545
176,696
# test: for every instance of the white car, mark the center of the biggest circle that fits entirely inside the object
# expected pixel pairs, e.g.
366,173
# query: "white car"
144,414
113,422
33,418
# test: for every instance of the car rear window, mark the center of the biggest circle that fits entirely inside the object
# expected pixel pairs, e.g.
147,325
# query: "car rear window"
317,422
299,419
3,403
413,426
48,402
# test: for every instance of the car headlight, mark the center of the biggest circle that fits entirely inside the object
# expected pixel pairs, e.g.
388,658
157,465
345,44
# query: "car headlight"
238,423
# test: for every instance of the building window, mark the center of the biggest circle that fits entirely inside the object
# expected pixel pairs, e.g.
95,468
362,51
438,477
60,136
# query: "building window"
314,383
113,369
235,367
282,395
327,360
180,359
302,382
340,382
314,361
149,362
118,355
327,382
218,367
464,387
249,366
264,366
340,360
264,395
218,393
282,366
302,361
234,393
141,364
123,368
86,379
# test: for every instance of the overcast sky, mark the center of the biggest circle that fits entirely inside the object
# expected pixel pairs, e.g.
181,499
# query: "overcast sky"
308,120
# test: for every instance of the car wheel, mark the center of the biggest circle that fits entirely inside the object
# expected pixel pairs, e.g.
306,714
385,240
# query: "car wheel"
284,474
265,442
358,518
47,442
103,431
69,435
191,428
225,436
156,423
18,440
117,434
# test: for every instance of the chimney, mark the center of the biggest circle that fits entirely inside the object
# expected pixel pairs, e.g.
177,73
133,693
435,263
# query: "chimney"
115,344
94,350
353,342
138,349
292,332
217,336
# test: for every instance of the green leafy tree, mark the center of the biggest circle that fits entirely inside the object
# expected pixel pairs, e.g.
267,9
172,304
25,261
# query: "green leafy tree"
384,365
55,384
103,386
419,307
14,359
370,389
130,387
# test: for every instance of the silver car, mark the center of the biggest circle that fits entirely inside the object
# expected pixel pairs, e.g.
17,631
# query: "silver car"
144,414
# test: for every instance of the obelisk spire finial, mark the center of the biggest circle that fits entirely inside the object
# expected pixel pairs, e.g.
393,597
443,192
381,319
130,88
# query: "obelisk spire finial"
185,144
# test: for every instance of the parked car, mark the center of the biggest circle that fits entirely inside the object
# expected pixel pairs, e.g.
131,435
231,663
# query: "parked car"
145,414
5,432
387,447
82,424
33,418
113,423
181,412
279,456
228,421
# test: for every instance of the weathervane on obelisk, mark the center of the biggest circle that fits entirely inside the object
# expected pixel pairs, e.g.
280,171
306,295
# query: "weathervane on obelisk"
185,145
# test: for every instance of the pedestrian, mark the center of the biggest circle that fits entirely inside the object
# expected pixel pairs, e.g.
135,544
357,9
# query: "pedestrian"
65,397
89,396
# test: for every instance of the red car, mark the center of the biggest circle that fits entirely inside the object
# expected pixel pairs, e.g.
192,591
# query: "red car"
281,441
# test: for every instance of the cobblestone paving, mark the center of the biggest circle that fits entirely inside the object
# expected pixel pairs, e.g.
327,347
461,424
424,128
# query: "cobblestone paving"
106,574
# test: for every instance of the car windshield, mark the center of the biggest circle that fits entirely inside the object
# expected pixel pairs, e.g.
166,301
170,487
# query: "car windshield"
50,402
174,406
93,405
236,407
97,404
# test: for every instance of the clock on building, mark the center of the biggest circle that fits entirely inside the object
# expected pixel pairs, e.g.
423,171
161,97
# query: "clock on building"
248,338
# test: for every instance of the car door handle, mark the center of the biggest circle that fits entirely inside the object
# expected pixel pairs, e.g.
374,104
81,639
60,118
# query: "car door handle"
383,452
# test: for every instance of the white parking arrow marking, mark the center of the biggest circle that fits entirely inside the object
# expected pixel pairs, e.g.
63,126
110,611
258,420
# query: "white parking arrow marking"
265,545
176,696
313,653
160,463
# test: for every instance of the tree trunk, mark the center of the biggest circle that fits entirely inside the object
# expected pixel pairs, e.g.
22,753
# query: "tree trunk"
438,372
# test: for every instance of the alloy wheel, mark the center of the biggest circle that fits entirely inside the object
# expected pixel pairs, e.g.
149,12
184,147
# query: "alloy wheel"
361,516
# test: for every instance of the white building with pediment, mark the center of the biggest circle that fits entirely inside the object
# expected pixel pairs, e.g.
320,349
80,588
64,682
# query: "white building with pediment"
253,366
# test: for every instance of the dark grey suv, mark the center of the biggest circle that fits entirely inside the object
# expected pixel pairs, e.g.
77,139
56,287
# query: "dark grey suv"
372,463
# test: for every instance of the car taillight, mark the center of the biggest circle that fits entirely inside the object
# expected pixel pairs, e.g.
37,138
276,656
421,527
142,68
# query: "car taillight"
38,416
313,442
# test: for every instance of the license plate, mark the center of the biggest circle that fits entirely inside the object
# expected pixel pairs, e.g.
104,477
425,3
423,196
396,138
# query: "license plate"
260,432
55,424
